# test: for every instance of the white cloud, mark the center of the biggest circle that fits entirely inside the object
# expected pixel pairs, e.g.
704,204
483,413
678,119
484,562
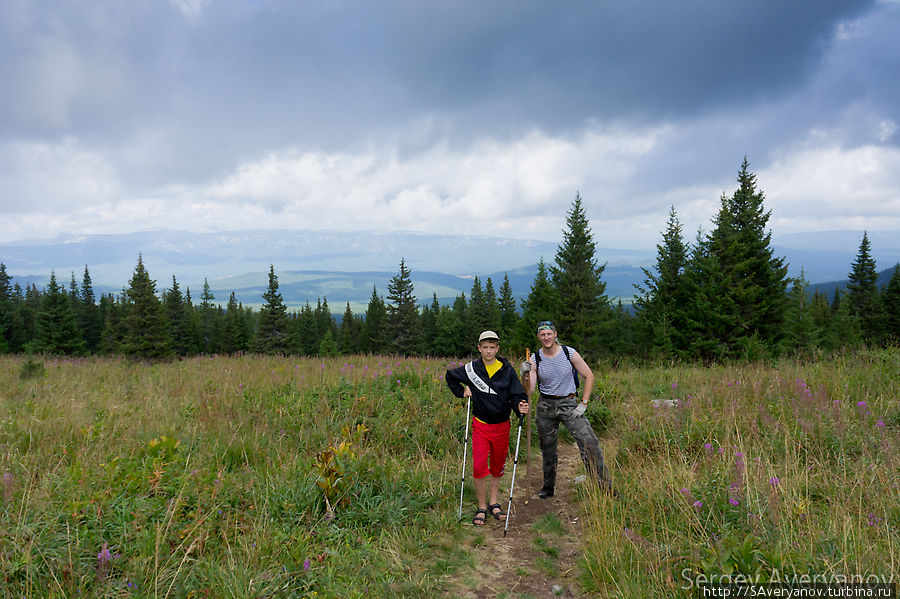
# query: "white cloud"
518,188
45,177
833,187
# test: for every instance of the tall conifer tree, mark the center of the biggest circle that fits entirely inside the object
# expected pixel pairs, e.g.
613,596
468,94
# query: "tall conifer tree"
235,329
508,315
428,327
179,326
207,320
89,319
402,313
800,331
57,328
583,310
750,314
146,326
452,333
541,304
374,338
862,293
349,332
663,303
891,302
7,308
272,332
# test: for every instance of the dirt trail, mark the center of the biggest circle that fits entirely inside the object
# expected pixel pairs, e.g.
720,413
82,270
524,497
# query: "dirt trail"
531,561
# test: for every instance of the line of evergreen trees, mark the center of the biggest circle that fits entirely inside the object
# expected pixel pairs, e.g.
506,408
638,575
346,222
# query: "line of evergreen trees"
726,296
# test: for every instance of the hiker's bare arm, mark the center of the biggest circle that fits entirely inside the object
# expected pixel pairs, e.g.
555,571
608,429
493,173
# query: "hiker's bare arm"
585,371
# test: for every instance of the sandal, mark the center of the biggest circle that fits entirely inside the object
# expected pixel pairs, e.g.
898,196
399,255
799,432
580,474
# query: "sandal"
497,514
480,517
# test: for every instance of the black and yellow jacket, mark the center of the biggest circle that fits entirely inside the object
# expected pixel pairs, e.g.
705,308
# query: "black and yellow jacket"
492,397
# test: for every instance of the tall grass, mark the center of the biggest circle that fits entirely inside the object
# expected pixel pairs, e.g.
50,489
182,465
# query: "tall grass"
257,476
761,472
209,477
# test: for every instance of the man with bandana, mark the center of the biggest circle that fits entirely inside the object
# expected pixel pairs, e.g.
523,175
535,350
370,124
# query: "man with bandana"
554,371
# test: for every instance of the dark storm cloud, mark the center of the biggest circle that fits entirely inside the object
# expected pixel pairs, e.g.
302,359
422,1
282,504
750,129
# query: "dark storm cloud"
134,110
323,72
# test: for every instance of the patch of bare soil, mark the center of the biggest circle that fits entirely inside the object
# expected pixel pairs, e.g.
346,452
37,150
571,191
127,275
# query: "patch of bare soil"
530,561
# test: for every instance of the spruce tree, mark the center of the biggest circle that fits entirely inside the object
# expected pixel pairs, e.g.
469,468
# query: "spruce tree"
272,332
7,308
349,334
89,318
428,327
402,313
17,334
663,301
57,328
821,315
452,337
477,314
74,295
583,311
179,329
801,335
508,316
305,337
328,347
237,326
891,302
207,319
862,293
492,308
541,304
374,339
146,326
741,265
709,306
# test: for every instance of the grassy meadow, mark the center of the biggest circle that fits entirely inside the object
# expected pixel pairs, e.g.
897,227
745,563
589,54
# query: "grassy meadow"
258,476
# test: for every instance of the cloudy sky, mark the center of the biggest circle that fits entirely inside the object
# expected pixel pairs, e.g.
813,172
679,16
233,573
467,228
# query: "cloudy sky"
459,116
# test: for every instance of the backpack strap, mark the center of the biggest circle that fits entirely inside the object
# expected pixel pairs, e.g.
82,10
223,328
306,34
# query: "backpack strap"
565,349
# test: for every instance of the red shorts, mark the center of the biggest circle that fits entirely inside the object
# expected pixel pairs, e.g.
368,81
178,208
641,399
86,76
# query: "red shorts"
490,445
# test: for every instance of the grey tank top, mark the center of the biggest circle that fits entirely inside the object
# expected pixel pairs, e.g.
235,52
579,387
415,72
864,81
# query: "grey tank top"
555,374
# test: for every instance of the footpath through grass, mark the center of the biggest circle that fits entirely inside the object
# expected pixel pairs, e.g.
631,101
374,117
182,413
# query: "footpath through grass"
263,476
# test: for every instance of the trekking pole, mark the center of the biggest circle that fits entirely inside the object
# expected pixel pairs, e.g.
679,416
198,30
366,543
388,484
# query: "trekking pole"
512,483
527,386
465,447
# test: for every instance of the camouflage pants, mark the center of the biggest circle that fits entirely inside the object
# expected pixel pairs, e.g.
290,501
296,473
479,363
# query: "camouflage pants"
552,412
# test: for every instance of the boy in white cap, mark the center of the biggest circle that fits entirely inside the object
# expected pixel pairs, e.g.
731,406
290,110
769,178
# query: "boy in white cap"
493,385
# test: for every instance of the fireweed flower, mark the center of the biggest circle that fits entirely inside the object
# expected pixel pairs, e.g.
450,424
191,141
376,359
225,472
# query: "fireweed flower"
773,481
734,501
698,504
306,564
103,560
861,404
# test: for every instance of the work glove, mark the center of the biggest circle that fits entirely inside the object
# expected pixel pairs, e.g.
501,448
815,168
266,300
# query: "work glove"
525,367
580,409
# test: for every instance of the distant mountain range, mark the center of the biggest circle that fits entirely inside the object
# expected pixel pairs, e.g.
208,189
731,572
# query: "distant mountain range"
344,266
